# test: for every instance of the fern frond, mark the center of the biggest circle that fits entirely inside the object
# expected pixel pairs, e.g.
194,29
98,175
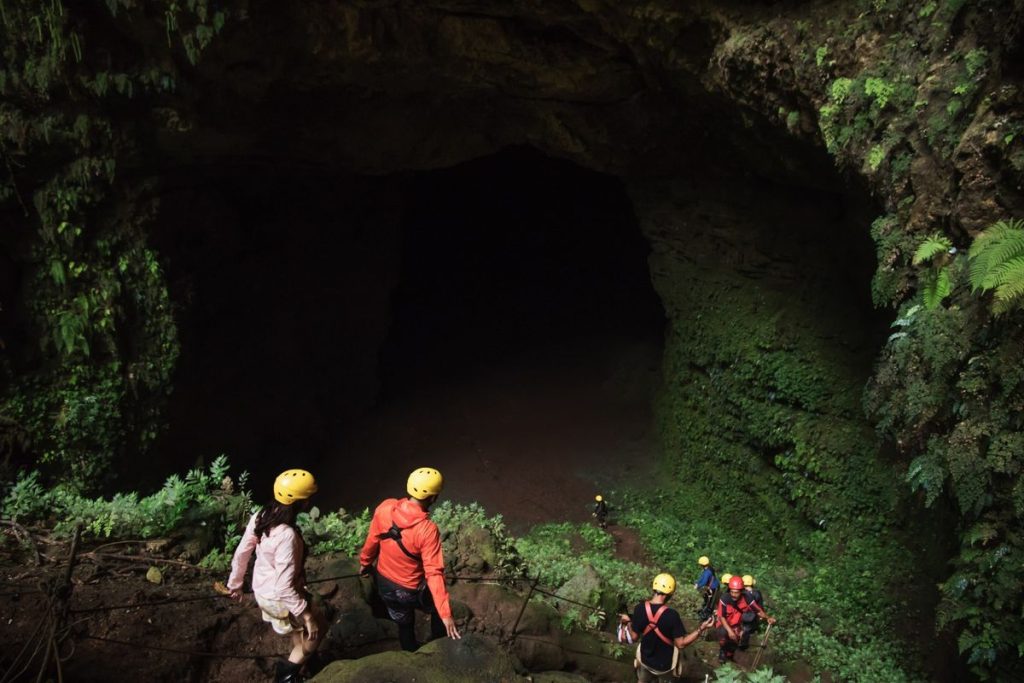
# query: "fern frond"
935,288
932,246
999,243
1009,277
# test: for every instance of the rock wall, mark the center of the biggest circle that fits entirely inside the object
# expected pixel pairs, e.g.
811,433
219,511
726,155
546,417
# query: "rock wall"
770,343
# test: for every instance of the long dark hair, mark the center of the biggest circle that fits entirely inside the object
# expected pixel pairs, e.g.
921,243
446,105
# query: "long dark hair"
277,513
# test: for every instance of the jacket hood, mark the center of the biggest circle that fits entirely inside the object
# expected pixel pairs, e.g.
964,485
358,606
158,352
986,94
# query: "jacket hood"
407,513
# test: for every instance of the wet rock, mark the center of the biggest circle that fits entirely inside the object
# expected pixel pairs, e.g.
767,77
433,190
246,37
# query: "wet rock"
472,659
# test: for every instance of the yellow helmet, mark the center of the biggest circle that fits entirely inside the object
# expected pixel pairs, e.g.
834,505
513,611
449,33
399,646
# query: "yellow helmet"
598,498
725,579
748,580
664,583
703,560
424,482
293,485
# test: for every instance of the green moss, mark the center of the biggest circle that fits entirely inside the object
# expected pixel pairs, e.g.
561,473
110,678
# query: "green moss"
472,659
751,388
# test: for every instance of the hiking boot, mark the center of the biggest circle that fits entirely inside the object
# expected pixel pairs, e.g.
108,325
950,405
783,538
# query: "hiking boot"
287,672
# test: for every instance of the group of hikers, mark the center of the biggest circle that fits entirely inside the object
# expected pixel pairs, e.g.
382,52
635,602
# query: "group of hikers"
402,554
660,629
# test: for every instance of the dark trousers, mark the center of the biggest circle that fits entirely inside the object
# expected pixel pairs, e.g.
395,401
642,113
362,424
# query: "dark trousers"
727,644
402,604
750,623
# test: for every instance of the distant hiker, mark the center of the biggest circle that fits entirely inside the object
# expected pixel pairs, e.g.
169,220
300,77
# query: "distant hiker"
661,634
707,586
751,619
279,574
707,581
730,618
410,565
600,511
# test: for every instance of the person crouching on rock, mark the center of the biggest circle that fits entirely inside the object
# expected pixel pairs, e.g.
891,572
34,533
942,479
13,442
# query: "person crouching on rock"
279,574
661,633
406,545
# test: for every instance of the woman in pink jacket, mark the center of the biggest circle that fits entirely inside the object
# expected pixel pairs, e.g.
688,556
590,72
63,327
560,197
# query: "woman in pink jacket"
279,576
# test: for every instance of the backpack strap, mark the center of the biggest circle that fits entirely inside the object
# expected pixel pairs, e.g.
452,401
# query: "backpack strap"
652,623
395,534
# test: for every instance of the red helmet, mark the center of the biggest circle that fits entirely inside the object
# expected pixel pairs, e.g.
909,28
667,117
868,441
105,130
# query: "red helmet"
736,583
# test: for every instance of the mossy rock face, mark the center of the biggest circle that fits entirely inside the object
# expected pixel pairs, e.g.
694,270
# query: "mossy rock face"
494,610
763,374
346,592
472,550
584,587
472,659
598,660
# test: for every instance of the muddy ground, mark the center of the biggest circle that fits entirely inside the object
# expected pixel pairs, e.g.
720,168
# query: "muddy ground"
532,437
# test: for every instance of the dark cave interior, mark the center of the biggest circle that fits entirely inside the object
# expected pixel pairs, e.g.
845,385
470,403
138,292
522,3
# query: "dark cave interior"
311,302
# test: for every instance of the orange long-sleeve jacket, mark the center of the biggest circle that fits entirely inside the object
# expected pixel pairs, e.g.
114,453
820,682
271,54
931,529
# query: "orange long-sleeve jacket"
420,537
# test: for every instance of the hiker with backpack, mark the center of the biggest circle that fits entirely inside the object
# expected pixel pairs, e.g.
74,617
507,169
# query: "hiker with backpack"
707,586
661,633
405,544
731,608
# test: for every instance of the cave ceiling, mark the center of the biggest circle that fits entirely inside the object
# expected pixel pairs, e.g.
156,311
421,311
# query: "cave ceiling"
378,87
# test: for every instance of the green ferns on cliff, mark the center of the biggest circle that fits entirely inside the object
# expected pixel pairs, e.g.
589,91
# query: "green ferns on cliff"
997,263
950,390
96,293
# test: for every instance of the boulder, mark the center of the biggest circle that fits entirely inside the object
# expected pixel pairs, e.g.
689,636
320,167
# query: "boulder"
472,659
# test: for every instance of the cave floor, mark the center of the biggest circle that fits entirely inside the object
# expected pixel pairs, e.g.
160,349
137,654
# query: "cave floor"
532,438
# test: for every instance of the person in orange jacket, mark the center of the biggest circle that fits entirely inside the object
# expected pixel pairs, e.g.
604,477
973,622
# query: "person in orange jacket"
406,546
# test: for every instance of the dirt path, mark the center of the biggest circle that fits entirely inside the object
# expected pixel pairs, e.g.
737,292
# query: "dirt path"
533,438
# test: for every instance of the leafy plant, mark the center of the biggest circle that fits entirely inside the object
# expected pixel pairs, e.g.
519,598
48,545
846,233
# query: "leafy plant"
334,532
203,497
25,499
936,284
997,263
880,89
875,157
820,55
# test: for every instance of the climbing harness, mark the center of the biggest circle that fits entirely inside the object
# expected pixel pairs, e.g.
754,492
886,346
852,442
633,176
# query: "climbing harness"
652,627
652,623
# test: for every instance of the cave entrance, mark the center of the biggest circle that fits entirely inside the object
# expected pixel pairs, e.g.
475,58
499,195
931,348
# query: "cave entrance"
495,319
524,345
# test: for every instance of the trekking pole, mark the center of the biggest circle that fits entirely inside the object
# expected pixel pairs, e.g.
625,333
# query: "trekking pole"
760,650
